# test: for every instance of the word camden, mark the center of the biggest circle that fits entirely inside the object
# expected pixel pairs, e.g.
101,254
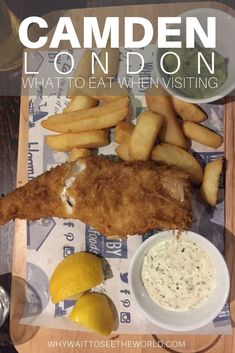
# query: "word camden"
168,35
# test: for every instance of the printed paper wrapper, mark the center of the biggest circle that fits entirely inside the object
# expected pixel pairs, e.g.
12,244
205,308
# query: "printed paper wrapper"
49,240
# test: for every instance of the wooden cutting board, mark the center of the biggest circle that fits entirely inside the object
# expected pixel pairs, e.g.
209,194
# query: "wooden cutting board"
28,339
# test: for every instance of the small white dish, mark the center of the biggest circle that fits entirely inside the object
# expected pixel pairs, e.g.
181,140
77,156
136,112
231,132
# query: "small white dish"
181,321
225,46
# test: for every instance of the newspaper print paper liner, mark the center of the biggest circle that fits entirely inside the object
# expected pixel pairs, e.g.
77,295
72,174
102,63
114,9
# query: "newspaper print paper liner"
49,240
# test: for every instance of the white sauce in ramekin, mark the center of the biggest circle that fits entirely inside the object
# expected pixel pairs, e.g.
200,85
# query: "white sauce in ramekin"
178,274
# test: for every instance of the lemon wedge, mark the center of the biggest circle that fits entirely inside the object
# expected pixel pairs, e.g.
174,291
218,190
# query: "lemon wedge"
94,312
75,274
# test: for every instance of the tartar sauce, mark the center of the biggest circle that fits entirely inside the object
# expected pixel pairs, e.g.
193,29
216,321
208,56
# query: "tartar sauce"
178,274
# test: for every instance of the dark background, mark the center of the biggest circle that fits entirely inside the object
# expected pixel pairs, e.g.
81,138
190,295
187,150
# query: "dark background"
9,124
25,8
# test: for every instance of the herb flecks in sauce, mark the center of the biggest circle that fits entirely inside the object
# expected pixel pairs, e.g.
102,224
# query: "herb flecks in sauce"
189,69
178,274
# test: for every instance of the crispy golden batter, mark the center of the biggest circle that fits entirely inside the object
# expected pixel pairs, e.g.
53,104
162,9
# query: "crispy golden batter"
117,199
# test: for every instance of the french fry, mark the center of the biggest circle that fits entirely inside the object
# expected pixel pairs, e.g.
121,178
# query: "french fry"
144,135
109,99
202,134
77,153
123,131
122,150
84,90
188,111
159,102
174,155
111,93
67,117
112,55
91,123
66,142
80,103
83,70
210,184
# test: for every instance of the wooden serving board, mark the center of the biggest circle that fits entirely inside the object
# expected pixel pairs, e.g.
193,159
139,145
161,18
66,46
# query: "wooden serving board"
28,339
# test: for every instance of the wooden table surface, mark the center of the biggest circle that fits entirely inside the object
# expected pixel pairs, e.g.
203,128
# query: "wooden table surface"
9,124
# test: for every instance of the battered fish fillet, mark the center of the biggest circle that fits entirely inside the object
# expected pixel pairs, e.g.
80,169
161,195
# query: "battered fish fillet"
116,199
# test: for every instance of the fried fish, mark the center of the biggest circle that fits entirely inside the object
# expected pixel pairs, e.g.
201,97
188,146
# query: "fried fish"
116,199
